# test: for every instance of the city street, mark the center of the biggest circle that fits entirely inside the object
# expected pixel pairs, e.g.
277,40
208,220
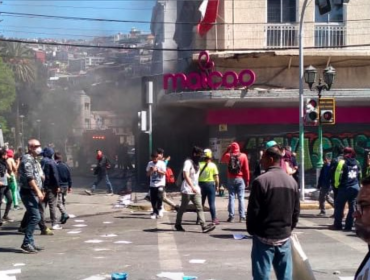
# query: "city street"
102,239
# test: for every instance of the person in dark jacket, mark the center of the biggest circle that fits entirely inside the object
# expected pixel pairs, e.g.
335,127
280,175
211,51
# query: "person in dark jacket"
51,185
65,185
324,185
273,211
101,173
348,189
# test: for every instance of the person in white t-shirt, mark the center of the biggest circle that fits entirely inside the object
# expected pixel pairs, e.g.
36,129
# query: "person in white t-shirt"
362,224
156,169
190,191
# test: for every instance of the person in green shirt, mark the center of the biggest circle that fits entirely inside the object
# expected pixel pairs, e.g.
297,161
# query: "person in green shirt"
209,182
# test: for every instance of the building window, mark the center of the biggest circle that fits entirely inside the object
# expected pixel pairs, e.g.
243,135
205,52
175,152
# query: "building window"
281,11
335,15
280,31
87,123
329,28
87,106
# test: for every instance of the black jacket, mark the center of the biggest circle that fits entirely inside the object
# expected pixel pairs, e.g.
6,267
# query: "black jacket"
64,175
274,206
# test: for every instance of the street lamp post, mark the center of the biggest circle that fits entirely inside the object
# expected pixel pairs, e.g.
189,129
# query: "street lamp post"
310,78
38,130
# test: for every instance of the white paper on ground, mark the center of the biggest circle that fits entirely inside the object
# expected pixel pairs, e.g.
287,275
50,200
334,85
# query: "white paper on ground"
241,236
7,277
346,278
80,225
72,216
19,264
107,222
101,249
99,257
79,221
109,235
74,232
171,275
197,261
123,242
94,241
11,271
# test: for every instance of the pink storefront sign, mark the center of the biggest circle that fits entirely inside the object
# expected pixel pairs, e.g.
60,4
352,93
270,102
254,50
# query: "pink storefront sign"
207,78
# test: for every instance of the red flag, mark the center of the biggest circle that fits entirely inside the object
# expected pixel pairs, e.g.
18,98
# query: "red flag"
209,11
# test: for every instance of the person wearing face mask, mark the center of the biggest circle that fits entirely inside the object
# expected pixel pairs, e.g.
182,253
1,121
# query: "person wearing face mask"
362,225
30,179
190,191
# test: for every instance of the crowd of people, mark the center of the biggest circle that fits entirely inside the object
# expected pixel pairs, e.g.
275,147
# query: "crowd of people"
44,180
40,178
275,183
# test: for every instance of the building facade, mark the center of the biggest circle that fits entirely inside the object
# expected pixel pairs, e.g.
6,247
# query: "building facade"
262,36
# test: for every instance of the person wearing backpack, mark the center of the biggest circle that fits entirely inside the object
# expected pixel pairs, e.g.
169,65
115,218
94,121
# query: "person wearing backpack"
237,178
101,172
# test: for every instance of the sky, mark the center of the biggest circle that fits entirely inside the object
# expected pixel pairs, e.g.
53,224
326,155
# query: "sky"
29,27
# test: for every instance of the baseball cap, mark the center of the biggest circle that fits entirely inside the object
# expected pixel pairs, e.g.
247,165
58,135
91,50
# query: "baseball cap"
270,144
208,153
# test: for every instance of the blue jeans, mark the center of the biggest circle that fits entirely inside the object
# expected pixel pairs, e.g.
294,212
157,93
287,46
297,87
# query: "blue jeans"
236,186
345,195
31,203
100,178
209,192
263,256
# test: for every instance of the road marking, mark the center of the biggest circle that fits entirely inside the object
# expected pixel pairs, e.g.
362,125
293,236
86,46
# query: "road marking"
354,243
123,242
169,257
4,274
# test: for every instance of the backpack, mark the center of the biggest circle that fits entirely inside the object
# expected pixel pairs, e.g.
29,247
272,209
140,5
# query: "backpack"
170,178
234,166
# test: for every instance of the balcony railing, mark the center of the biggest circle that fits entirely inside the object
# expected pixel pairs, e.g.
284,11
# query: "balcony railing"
330,35
283,35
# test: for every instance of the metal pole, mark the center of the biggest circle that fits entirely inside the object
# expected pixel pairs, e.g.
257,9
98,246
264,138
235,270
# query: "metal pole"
150,121
301,100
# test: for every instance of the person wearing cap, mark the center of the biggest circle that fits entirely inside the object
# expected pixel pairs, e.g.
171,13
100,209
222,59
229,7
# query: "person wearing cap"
13,168
209,182
348,189
238,179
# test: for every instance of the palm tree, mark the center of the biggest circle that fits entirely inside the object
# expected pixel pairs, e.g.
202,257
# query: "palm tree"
21,60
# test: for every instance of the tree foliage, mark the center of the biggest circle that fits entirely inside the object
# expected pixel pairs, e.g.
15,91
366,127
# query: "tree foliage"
7,91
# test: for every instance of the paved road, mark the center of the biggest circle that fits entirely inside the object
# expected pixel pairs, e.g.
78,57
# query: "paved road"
130,241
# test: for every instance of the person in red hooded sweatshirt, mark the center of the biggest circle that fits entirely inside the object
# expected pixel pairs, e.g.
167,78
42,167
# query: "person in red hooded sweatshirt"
101,173
237,178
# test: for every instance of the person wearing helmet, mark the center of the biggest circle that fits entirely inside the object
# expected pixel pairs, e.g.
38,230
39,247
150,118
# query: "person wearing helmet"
209,182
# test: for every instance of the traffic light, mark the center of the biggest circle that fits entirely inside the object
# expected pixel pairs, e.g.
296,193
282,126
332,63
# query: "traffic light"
312,111
327,111
324,6
142,121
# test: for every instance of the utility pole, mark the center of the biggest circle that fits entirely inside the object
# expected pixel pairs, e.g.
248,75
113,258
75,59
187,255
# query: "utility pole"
149,100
